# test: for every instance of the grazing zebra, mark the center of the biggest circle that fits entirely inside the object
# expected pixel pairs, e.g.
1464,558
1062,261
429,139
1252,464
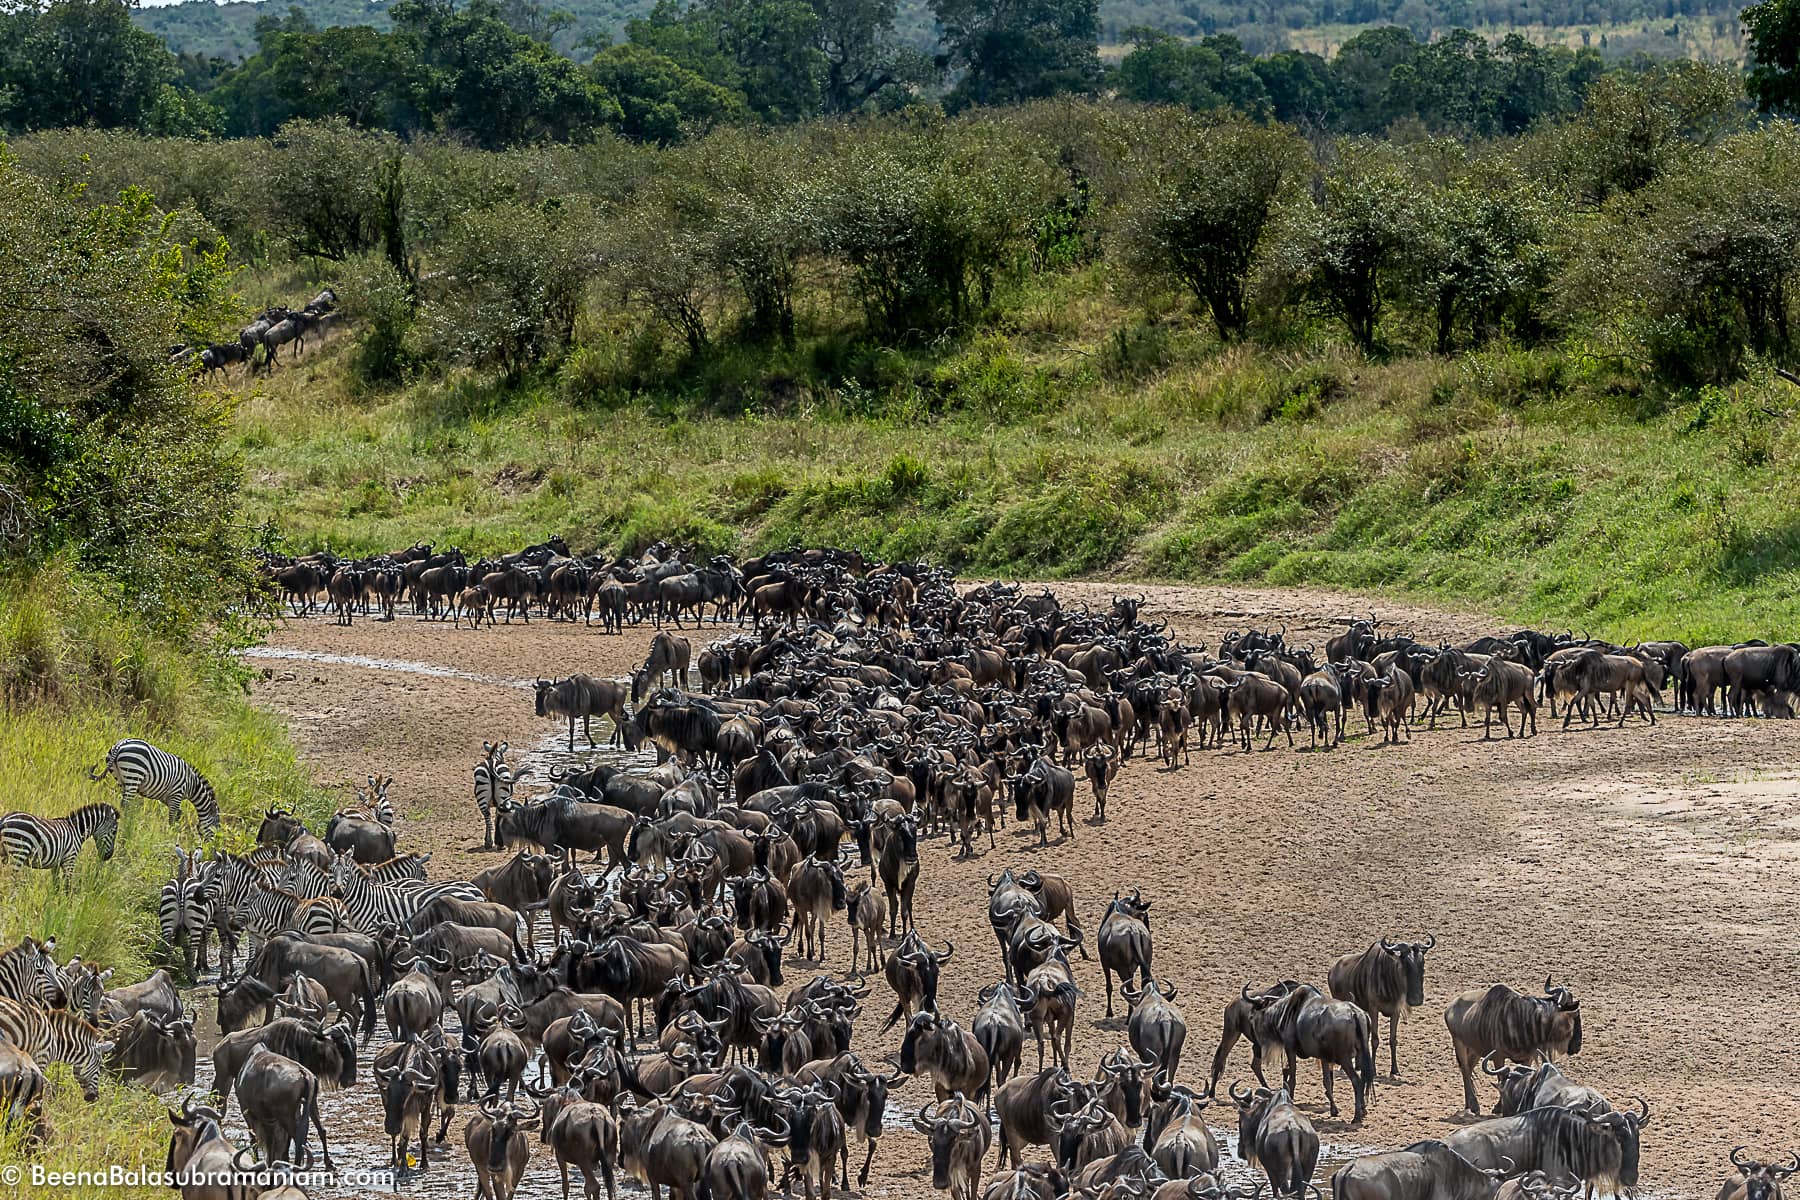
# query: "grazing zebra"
494,782
53,1035
29,973
84,987
51,843
371,905
143,770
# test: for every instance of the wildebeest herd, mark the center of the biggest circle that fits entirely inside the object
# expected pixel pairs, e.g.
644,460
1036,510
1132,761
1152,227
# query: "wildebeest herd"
613,995
271,329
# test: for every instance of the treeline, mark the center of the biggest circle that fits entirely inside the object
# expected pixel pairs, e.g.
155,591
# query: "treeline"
1655,227
488,76
1191,18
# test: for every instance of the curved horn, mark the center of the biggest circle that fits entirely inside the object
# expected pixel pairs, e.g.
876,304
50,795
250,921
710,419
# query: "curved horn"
1496,1069
1231,1090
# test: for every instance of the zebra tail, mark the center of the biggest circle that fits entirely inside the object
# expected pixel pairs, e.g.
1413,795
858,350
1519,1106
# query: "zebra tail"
103,772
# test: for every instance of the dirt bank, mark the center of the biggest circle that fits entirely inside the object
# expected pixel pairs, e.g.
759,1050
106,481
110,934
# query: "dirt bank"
1652,867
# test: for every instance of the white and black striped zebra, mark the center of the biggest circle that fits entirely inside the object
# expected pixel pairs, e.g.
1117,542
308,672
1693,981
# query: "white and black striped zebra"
53,1035
143,770
51,843
318,911
28,972
494,782
372,905
185,914
251,899
374,802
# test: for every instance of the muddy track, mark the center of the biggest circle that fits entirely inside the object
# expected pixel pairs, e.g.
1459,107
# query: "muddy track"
1652,867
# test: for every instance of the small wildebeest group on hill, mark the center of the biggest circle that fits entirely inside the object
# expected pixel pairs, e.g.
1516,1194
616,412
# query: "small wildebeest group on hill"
669,970
273,328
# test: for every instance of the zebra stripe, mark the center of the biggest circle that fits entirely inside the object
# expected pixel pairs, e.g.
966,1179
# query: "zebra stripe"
371,905
143,770
51,843
52,1035
493,788
25,973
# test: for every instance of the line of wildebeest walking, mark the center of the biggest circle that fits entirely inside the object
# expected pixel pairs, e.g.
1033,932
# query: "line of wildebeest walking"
613,995
270,330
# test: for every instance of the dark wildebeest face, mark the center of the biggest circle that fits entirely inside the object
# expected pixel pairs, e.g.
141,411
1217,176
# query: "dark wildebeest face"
1411,958
543,687
399,1087
1251,1105
1626,1129
922,1026
1567,1014
1762,1181
943,1126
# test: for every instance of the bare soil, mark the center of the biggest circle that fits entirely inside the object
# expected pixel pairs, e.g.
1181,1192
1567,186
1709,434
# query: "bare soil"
1652,867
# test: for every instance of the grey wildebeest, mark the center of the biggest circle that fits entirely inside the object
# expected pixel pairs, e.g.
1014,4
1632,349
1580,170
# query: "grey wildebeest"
1156,1028
1123,942
1756,1180
1306,1024
1276,1138
1386,980
1023,1107
280,1097
1523,1088
948,1053
912,972
1598,1147
999,1026
1512,1027
1177,1135
1421,1171
498,1147
583,697
958,1135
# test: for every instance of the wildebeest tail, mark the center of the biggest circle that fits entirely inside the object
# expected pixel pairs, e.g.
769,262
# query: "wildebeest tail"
1365,1057
894,1017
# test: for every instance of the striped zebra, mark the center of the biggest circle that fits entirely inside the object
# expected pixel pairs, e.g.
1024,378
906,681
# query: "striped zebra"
51,843
143,770
28,972
494,782
402,868
374,801
318,911
53,1035
371,905
251,899
185,914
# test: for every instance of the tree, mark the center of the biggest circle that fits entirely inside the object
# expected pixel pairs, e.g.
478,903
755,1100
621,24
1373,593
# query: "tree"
1201,204
1485,254
1351,249
662,100
766,50
1014,50
115,452
81,62
1773,31
1633,128
496,86
322,183
863,57
1299,87
1363,78
371,79
1209,74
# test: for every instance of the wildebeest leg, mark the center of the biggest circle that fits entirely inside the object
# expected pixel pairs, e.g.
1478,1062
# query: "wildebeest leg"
1393,1043
1466,1064
862,1176
587,729
1330,1097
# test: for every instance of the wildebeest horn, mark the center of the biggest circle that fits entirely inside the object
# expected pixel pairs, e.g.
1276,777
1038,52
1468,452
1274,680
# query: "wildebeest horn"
948,952
1429,943
1246,994
1742,1164
1549,985
1643,1117
1785,1171
1231,1090
1387,943
1496,1069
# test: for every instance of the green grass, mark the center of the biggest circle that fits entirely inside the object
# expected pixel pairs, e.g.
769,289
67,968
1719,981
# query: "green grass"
77,674
1076,437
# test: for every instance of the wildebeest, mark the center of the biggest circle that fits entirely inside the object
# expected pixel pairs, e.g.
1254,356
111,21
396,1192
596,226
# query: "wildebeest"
1756,1180
1276,1138
958,1136
1156,1028
1523,1088
1305,1024
948,1053
280,1097
583,697
999,1026
1421,1171
912,972
1600,1148
1512,1027
498,1148
1123,942
1386,980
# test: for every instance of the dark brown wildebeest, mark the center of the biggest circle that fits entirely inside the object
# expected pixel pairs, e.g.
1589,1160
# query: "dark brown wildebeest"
1305,1023
669,656
584,697
999,1026
895,841
1421,1171
1276,1138
1524,1088
1512,1027
1023,1105
1592,673
1123,942
958,1135
1390,700
1754,669
867,911
1086,1135
1101,765
1322,700
1386,980
1756,1180
1044,788
498,1147
1178,1137
1501,684
1245,1019
151,1050
948,1053
912,972
1156,1028
1253,697
816,890
279,1097
1597,1147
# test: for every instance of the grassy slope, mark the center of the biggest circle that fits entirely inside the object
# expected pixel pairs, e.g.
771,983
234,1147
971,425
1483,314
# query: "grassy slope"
76,675
1078,440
